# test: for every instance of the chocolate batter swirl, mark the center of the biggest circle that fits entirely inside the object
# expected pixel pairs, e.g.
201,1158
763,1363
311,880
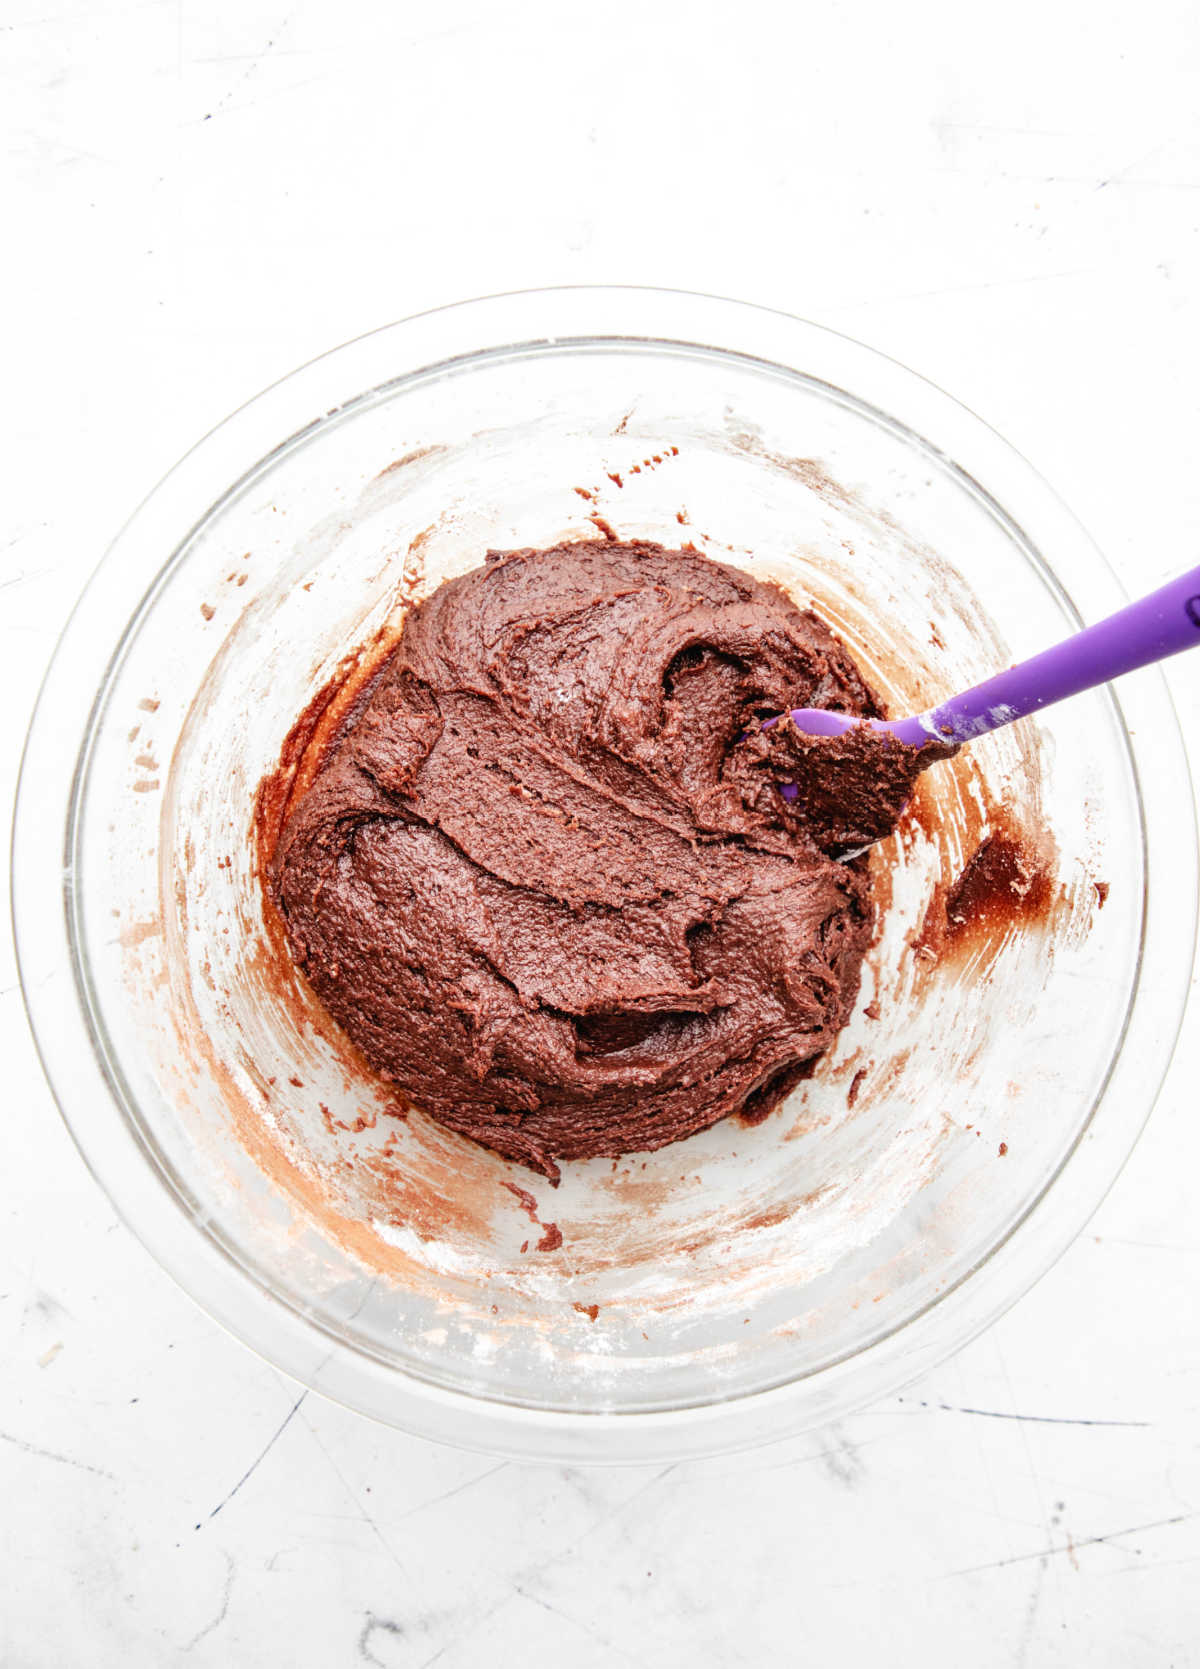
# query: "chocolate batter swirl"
543,885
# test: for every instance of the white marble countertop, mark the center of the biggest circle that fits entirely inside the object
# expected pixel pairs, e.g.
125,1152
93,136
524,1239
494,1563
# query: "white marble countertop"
198,197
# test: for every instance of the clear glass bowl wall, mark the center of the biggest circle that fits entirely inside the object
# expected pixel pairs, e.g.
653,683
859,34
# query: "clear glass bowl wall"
747,1280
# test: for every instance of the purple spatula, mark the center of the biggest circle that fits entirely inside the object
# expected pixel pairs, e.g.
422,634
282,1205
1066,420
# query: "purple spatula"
1152,629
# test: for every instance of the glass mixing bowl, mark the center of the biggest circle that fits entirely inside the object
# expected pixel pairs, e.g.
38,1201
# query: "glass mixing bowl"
749,1281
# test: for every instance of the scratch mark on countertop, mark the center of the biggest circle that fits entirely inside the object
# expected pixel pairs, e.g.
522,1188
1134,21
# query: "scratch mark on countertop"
982,1450
441,1652
1048,1524
259,100
457,1640
606,1517
1156,1565
51,1454
373,1623
1031,1611
457,1490
19,538
823,1456
364,1515
1034,1419
223,1611
1068,1546
258,59
1117,177
255,1464
584,1628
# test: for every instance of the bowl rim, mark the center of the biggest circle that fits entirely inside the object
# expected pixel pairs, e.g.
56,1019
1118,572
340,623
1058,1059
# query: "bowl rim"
71,701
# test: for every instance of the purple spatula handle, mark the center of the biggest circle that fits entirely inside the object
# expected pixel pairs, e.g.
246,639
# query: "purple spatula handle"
1152,629
1162,624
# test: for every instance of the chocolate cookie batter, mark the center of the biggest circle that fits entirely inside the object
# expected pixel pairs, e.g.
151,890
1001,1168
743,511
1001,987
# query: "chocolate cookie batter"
543,880
852,788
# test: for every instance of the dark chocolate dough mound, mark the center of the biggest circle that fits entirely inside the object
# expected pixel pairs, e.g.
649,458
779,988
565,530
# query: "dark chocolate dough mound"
543,883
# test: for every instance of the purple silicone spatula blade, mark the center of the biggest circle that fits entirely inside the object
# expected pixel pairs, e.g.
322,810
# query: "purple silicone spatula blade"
1156,627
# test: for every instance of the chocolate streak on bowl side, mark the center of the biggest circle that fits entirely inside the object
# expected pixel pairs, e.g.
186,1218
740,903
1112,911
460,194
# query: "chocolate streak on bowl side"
993,787
1004,884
